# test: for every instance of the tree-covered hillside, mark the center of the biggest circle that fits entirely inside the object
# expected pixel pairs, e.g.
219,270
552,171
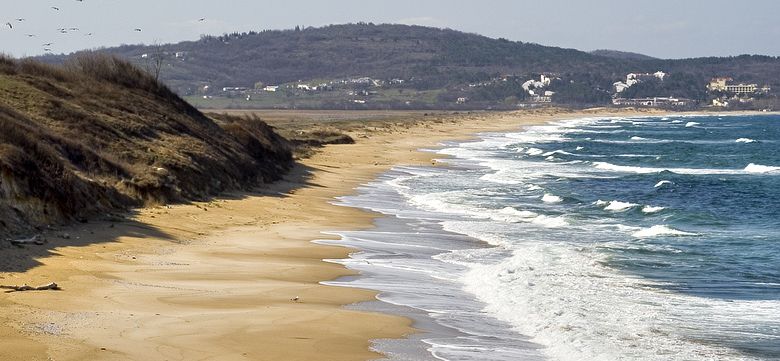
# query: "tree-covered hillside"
433,64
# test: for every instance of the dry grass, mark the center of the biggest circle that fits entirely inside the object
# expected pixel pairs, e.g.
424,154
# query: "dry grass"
99,135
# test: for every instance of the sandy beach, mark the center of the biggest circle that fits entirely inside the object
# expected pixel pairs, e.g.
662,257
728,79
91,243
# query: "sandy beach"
236,278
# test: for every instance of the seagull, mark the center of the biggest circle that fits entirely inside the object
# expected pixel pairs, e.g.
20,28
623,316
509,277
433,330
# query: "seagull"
48,44
295,299
55,8
74,29
47,49
9,25
20,19
88,34
137,29
30,35
202,19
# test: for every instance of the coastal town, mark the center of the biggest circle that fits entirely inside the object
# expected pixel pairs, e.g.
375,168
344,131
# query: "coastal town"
529,91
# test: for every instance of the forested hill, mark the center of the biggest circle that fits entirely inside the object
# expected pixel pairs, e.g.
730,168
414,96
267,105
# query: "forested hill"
380,51
626,55
423,59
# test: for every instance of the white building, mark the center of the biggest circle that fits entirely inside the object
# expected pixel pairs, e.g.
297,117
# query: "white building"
271,88
620,86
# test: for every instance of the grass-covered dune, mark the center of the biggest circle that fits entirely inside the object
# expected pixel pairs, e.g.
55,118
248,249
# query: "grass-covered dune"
98,135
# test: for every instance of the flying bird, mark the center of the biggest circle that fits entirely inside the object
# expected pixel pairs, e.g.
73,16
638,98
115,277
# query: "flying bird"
55,8
74,29
88,34
137,29
48,44
202,19
9,25
30,35
20,19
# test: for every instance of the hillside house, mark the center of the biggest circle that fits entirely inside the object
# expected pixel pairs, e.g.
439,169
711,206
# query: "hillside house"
722,85
620,86
636,78
652,102
271,88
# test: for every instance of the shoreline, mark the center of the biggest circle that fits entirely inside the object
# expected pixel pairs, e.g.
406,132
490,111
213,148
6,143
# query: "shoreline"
203,280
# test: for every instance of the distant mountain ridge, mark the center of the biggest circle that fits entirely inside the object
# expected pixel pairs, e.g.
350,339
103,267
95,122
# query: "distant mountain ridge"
426,59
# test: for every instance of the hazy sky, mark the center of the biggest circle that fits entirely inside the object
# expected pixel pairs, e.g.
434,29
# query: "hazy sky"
662,28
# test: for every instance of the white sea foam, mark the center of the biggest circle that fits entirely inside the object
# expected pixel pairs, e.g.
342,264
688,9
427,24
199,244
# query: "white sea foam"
745,140
580,148
638,138
564,298
660,231
691,124
510,211
559,151
550,221
534,151
652,209
751,168
662,183
619,206
758,168
549,198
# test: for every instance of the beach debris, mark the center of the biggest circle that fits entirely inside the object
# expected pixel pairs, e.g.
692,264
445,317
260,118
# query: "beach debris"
47,287
295,299
36,239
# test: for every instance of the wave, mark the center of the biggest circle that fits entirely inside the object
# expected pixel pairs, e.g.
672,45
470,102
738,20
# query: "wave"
559,151
638,138
662,183
549,198
691,124
651,209
750,169
758,168
661,231
745,140
616,206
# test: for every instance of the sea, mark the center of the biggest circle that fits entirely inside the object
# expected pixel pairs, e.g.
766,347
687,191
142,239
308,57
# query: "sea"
614,238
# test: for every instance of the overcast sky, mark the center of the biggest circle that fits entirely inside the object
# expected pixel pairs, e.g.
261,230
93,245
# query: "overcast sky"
662,28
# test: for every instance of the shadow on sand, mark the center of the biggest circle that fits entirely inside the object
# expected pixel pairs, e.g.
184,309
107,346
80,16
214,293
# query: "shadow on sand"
20,258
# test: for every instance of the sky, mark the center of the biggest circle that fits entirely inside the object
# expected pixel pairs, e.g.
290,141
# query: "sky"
660,28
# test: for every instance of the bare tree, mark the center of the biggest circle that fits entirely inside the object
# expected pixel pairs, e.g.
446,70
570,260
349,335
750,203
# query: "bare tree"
155,60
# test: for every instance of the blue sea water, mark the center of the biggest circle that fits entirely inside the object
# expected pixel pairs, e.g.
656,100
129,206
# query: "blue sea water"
641,238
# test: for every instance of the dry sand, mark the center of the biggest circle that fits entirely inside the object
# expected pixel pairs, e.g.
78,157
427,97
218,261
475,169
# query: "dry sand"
216,281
